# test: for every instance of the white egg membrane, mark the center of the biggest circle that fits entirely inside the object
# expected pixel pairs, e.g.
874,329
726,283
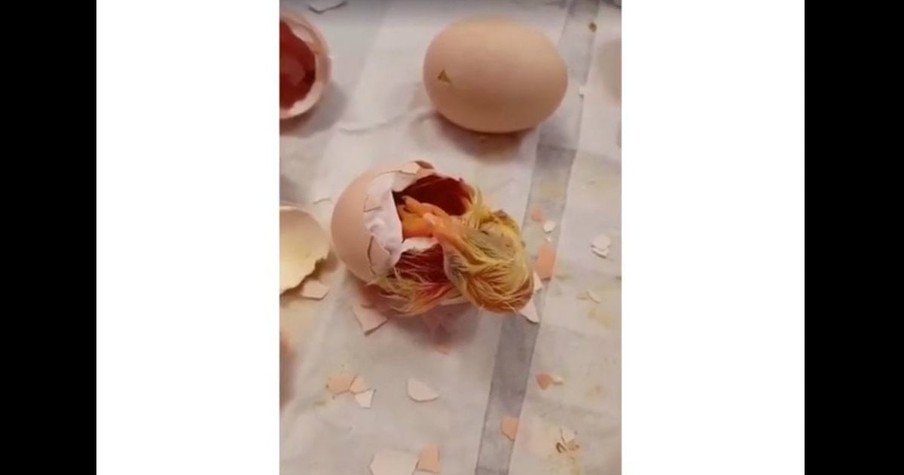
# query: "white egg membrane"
383,222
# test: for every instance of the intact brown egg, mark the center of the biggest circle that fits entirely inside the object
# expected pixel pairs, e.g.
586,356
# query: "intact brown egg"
494,75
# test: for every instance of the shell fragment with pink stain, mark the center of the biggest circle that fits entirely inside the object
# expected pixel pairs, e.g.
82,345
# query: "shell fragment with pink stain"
314,289
545,380
546,261
443,347
365,399
393,462
359,385
369,318
537,215
428,461
339,384
510,427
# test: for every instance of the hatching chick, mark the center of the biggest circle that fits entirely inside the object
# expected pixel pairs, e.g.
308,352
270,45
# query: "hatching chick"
484,258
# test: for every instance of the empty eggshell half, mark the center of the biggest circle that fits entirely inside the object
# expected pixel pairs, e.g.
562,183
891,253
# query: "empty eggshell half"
314,39
367,233
302,244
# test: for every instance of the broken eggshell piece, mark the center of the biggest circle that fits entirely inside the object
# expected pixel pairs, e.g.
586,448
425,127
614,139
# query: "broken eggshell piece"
290,64
379,235
302,244
366,228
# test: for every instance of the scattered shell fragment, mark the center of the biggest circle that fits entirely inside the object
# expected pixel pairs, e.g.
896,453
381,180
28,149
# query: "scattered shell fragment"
568,441
321,199
537,215
365,399
546,261
393,462
582,90
538,283
544,380
529,312
510,427
302,244
420,391
410,168
314,289
369,318
600,245
549,226
442,347
340,383
359,385
594,296
568,435
428,461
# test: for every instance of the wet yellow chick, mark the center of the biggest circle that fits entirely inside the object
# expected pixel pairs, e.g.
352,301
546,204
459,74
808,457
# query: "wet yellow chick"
483,255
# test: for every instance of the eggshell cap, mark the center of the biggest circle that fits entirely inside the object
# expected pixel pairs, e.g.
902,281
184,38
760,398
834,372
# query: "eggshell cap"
353,243
302,244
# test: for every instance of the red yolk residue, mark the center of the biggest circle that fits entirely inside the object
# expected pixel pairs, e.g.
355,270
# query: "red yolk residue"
297,67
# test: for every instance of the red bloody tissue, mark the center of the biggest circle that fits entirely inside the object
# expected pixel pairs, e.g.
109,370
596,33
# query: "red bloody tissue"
297,67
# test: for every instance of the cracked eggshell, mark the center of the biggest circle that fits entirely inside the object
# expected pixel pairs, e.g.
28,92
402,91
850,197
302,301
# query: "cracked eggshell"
494,75
302,244
354,243
364,220
310,34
